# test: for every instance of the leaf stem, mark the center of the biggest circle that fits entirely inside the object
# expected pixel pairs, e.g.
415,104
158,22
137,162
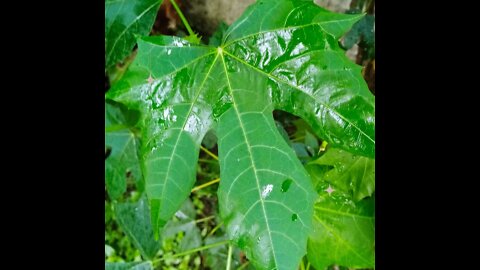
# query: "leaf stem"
308,266
206,184
229,257
215,229
209,153
184,20
193,250
207,161
243,266
204,219
298,139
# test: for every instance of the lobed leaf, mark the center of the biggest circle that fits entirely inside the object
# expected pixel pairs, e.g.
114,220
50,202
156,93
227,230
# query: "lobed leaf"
279,55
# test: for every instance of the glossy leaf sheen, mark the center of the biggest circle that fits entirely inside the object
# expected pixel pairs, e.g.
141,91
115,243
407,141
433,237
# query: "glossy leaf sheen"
134,219
289,59
352,174
123,20
344,232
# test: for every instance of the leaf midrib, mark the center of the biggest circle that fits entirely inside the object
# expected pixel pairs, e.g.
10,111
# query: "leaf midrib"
342,213
345,243
247,142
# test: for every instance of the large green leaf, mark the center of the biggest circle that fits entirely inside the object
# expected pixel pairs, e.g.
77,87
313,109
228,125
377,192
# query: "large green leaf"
269,223
134,219
289,60
123,20
129,266
352,174
124,144
344,231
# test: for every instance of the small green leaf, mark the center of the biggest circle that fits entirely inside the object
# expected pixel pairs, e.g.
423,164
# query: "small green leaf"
134,219
352,174
216,257
124,145
344,232
124,19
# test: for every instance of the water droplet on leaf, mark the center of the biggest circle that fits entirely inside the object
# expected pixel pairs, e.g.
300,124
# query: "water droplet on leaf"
294,217
286,185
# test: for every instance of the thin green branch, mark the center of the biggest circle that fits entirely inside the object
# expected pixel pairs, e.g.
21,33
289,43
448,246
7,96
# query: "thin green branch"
206,184
207,161
209,153
215,229
192,251
204,219
184,20
229,257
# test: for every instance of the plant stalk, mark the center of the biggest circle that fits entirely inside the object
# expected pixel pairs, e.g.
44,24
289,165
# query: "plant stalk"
206,184
193,250
209,153
184,20
215,229
229,258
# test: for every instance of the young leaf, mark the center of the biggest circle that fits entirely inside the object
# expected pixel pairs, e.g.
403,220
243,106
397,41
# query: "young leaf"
123,20
352,174
344,232
129,266
134,219
124,146
288,60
